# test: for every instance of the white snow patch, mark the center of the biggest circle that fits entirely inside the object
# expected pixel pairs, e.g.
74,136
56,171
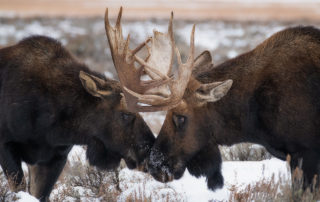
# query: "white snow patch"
211,36
189,188
140,31
77,155
232,54
109,75
67,27
36,28
25,197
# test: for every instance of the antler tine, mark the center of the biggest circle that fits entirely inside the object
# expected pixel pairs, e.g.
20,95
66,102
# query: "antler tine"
191,51
146,66
124,61
177,87
106,18
118,23
170,26
170,33
141,46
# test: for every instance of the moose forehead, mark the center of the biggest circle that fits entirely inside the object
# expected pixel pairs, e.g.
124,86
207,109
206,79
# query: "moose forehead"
182,108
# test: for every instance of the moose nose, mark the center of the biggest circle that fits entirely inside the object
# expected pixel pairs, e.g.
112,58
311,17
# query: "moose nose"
156,159
157,166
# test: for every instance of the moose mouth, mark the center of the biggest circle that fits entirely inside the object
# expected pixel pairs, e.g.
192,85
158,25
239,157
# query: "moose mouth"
164,173
133,162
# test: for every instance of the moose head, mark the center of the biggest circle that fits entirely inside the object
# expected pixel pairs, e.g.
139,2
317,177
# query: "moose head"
184,140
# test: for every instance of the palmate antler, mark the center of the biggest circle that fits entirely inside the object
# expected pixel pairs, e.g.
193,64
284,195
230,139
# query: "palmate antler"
153,94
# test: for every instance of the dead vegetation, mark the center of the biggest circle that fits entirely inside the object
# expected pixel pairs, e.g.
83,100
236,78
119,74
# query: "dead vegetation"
4,188
277,190
244,152
81,182
5,194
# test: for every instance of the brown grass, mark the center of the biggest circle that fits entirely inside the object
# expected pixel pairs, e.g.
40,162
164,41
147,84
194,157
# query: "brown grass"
281,190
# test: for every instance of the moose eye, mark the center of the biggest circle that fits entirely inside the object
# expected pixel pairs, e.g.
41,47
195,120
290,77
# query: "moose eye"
179,121
126,117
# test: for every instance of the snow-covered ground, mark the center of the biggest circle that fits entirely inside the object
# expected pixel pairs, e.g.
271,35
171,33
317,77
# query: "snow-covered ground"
236,174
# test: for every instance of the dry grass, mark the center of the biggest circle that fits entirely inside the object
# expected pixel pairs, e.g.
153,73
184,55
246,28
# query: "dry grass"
5,194
281,190
4,188
163,193
244,152
83,182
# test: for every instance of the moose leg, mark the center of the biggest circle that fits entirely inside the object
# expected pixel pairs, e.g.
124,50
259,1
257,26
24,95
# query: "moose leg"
296,172
11,166
43,177
310,169
208,163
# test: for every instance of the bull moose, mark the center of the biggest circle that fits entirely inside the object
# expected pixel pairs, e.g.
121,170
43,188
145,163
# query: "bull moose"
268,96
49,101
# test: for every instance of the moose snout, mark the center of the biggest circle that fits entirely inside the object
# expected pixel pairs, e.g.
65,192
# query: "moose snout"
157,166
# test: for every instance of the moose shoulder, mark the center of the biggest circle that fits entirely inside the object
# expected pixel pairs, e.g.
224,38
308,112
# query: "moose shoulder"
50,102
268,96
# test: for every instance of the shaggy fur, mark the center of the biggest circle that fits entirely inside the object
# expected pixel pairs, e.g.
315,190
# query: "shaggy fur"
274,101
45,110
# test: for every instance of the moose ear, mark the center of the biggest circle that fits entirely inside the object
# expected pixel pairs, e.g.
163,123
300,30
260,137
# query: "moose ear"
213,92
202,63
89,82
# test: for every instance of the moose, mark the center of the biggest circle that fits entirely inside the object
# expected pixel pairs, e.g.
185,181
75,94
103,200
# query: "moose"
49,101
268,96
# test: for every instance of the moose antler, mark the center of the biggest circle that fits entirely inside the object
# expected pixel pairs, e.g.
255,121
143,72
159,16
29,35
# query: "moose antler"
124,59
157,100
154,94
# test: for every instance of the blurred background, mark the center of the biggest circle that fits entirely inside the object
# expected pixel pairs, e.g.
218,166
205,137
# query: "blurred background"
185,9
226,28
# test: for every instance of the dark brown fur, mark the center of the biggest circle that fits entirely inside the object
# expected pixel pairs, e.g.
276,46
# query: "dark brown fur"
45,110
274,101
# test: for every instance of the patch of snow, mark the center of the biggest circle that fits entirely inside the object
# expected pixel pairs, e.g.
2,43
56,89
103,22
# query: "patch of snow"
140,31
25,197
77,155
240,43
36,28
211,36
5,31
67,27
109,75
232,54
189,188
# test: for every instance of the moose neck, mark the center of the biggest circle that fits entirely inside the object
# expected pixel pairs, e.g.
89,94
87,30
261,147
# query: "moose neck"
231,117
70,130
76,117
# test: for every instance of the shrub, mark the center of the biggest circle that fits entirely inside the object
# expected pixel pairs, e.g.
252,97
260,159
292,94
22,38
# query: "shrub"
244,152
